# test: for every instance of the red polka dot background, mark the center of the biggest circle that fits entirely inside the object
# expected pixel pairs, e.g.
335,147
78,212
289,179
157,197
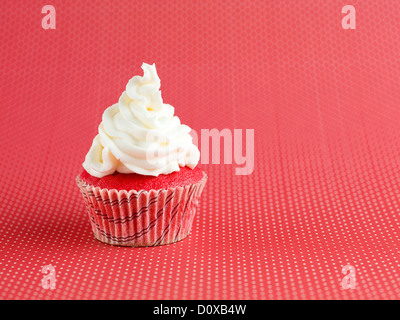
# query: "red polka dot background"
325,106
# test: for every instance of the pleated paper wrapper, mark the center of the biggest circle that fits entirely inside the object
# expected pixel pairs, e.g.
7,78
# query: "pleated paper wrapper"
141,218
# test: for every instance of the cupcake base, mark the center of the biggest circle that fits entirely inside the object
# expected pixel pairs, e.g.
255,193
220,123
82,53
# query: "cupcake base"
141,218
103,239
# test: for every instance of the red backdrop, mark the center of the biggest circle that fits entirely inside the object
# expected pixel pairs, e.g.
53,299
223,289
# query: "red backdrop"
325,106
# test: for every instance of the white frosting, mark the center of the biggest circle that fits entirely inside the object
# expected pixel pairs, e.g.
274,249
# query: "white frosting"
140,133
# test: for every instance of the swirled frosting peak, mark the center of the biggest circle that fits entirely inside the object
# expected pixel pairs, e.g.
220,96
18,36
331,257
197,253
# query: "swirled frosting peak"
140,133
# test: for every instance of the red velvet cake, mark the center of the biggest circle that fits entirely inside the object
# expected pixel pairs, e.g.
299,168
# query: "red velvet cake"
133,181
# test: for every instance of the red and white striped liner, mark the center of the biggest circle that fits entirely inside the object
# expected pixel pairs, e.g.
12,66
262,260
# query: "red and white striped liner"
141,218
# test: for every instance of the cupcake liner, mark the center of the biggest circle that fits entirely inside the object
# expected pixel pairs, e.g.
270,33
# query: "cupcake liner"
141,218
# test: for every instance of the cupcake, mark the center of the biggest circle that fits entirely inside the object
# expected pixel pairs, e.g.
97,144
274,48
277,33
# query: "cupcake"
141,183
